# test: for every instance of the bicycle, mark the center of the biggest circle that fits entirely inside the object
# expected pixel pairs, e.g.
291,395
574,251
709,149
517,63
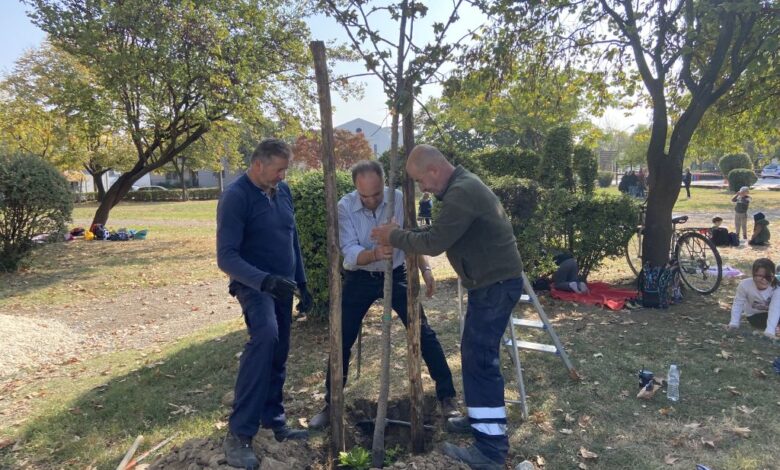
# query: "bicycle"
695,257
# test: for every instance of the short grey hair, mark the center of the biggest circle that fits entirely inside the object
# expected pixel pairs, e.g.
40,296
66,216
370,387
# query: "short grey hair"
367,166
269,148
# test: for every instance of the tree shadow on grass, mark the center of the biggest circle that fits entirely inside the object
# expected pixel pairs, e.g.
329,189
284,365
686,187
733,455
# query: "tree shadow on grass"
183,394
60,262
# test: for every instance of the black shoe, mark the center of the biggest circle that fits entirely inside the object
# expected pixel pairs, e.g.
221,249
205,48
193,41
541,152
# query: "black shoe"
285,433
458,425
239,453
471,456
321,420
449,408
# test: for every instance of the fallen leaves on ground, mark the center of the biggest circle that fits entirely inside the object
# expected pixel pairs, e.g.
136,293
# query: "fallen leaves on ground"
739,431
708,443
746,410
760,374
586,454
725,354
6,442
584,421
566,431
670,459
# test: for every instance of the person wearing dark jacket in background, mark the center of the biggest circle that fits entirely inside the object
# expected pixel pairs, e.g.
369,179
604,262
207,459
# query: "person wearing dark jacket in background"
687,181
257,246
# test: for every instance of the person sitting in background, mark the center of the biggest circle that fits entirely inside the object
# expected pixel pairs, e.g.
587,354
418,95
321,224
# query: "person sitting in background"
758,299
761,233
719,235
566,277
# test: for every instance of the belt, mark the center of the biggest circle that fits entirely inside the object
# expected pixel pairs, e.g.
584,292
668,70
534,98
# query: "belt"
374,274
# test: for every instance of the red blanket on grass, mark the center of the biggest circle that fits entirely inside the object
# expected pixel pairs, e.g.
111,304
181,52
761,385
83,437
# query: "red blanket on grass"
600,293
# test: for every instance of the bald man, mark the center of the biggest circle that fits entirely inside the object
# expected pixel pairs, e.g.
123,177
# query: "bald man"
474,230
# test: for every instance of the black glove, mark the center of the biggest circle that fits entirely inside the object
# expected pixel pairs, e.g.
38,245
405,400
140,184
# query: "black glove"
306,301
279,287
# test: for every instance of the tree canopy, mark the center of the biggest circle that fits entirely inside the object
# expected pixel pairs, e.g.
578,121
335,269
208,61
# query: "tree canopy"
174,68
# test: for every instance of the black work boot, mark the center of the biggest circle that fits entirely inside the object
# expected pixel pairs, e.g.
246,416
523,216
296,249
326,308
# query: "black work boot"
239,453
471,456
449,408
321,420
284,433
459,425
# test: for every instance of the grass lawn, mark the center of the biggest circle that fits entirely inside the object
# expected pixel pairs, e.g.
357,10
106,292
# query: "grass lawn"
716,201
88,412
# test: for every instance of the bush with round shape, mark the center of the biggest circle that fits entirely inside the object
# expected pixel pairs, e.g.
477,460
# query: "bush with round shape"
732,161
35,199
605,179
739,177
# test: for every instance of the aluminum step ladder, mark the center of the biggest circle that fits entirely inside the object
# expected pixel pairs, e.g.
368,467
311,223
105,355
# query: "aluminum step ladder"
512,342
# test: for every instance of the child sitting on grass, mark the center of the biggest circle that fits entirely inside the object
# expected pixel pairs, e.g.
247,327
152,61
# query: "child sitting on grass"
758,299
761,233
719,235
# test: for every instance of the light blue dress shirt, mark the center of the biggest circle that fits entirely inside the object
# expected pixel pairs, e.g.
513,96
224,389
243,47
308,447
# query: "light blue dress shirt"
355,224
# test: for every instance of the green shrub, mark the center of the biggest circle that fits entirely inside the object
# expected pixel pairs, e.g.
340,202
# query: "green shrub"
357,458
34,199
507,161
605,179
592,228
520,198
555,165
308,190
400,174
587,167
739,177
733,161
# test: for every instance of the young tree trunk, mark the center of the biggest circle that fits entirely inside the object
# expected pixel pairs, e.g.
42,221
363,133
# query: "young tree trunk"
334,277
114,195
413,351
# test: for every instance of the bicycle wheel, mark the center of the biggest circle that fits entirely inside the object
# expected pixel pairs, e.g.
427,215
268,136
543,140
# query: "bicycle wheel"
700,265
634,252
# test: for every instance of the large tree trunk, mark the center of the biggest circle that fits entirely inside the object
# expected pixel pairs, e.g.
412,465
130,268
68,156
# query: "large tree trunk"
664,187
97,182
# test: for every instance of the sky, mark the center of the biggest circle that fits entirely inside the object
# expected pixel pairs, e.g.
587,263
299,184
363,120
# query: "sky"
18,34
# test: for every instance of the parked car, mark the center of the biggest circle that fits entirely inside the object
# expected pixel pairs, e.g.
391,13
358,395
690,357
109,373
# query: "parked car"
152,188
771,171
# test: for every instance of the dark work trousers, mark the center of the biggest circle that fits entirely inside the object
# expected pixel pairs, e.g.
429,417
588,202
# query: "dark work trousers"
360,290
688,190
487,316
263,365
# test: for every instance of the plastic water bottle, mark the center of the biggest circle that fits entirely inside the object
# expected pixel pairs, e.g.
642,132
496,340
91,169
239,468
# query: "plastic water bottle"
673,384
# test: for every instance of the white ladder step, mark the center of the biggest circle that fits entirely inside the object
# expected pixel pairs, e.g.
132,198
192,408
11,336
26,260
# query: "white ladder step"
549,348
525,298
528,323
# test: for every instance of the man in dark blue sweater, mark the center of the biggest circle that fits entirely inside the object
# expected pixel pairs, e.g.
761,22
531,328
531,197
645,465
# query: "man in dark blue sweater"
257,246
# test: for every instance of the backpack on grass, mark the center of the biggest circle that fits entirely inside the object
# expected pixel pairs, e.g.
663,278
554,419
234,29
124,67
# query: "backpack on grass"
655,287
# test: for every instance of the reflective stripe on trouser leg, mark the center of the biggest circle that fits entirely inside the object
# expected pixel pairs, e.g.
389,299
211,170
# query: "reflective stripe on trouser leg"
486,319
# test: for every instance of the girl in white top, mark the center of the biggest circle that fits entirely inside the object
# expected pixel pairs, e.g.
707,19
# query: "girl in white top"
758,299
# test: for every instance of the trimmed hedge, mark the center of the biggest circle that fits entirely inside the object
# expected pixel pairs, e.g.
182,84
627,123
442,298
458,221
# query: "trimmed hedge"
733,161
587,167
739,177
555,166
35,199
194,194
508,161
605,179
308,190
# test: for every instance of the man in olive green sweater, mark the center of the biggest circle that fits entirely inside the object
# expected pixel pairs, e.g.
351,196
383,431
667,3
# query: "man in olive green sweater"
474,230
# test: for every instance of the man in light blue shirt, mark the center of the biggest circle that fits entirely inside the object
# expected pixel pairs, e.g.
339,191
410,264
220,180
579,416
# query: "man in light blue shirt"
364,263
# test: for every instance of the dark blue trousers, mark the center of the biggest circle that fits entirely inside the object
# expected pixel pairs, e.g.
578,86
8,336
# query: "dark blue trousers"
487,316
360,290
263,366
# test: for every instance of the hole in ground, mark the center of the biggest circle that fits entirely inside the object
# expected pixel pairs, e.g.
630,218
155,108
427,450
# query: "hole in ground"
361,413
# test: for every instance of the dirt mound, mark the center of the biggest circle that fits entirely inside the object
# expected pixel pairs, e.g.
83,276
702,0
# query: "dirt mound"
201,454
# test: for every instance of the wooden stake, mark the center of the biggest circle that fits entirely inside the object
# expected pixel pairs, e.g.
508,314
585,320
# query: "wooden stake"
149,452
413,309
334,273
130,452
